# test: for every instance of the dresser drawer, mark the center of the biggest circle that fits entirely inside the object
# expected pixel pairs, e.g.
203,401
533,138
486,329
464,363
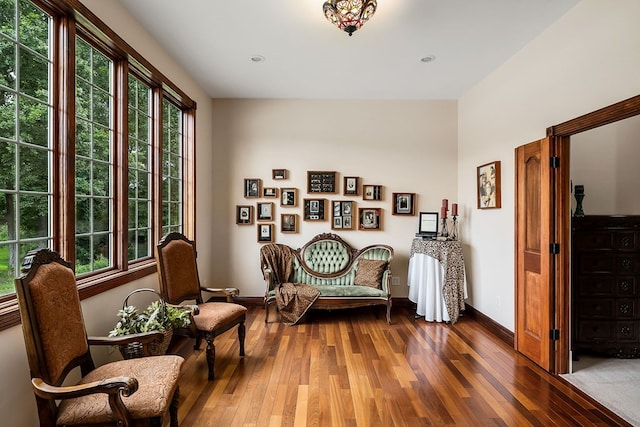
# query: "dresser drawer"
604,285
603,308
596,331
590,262
628,331
627,308
626,241
627,287
592,240
628,264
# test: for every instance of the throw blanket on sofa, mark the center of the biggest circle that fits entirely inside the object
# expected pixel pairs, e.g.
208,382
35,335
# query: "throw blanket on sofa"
293,299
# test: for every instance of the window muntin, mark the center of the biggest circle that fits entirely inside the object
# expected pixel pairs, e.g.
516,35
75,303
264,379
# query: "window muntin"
140,167
172,163
94,165
26,143
51,210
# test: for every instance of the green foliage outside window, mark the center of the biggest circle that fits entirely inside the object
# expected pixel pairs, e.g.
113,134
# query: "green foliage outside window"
28,151
25,140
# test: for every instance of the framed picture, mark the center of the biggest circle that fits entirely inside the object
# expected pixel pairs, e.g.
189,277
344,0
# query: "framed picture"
314,209
265,211
351,186
428,224
288,223
244,214
265,233
489,186
321,182
372,192
279,174
251,187
288,197
369,219
404,203
268,192
342,214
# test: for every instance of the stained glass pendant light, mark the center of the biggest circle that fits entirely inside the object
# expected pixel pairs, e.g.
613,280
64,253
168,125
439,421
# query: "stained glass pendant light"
349,15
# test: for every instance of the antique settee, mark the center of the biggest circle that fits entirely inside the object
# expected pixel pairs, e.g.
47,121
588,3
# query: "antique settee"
344,276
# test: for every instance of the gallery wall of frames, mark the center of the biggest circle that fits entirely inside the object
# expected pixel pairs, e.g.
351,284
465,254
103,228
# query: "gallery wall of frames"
328,196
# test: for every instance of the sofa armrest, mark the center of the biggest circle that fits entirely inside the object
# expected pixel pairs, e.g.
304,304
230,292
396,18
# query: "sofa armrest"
386,280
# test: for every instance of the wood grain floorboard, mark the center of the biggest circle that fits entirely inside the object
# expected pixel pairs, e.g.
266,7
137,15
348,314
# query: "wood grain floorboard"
350,368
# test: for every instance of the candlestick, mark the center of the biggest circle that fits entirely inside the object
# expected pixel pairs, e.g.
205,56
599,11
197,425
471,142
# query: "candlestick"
454,210
454,227
444,233
443,212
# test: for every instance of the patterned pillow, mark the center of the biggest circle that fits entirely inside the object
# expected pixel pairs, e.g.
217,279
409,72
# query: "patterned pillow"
370,272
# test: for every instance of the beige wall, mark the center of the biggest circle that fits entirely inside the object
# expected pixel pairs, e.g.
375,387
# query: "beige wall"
587,60
605,161
405,146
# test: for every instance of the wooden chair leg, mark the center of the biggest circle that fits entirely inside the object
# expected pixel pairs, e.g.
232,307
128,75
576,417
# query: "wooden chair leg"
266,312
173,408
211,357
241,335
197,344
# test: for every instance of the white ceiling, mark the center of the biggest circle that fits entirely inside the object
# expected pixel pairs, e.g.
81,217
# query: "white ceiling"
306,57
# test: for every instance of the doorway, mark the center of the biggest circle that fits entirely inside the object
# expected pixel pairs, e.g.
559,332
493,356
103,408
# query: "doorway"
558,301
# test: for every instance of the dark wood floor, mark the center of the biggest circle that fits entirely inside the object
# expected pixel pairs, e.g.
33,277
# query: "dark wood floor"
350,368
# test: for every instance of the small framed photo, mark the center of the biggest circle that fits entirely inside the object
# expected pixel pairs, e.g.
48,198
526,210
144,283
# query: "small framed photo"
351,186
268,192
321,182
288,197
341,214
428,224
372,192
278,174
369,219
265,211
251,187
244,214
265,233
404,203
314,209
288,223
489,186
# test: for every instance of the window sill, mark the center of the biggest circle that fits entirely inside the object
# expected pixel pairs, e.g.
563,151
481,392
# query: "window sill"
10,315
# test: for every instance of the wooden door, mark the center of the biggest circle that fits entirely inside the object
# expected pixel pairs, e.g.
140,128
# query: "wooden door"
534,269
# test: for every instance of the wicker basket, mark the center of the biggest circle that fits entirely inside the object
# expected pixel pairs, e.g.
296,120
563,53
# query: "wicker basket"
136,349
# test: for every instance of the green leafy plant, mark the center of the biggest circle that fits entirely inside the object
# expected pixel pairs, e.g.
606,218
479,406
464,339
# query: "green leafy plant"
153,318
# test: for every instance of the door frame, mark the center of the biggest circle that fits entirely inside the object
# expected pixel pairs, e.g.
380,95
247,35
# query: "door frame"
560,135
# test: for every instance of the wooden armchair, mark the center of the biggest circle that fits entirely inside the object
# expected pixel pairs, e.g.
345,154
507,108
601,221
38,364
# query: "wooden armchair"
179,282
123,393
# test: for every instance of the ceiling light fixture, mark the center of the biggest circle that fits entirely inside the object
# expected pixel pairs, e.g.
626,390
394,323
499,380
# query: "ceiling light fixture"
349,15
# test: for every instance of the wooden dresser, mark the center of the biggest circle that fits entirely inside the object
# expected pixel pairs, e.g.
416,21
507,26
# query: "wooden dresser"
605,256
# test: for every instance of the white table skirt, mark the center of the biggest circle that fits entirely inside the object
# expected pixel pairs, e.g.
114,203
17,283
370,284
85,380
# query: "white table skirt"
425,280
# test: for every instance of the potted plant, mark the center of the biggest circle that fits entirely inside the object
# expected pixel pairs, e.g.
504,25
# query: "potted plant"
158,316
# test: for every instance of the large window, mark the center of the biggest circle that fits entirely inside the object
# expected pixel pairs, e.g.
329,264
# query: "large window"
93,150
93,162
25,135
139,170
171,169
